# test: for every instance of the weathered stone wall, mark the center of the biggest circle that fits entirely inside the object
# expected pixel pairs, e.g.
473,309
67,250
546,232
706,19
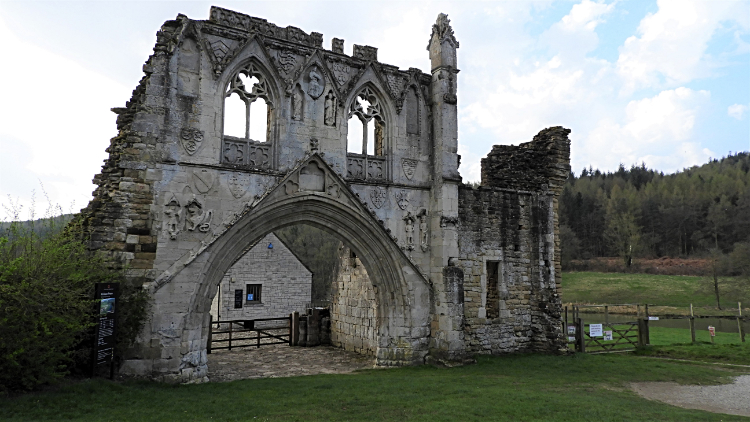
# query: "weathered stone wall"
542,164
510,248
353,307
286,283
180,199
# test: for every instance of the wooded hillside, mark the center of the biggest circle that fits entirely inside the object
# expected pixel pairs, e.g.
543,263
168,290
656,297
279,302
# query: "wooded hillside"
642,212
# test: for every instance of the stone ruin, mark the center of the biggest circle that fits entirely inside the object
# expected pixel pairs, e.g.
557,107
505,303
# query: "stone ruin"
344,143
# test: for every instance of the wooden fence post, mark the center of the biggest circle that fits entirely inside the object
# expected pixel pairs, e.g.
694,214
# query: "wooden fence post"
692,324
739,321
581,335
606,314
230,335
642,332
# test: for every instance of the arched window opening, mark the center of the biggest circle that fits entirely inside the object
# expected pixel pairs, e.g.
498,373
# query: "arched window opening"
366,140
259,120
354,138
370,137
247,114
249,86
235,110
378,129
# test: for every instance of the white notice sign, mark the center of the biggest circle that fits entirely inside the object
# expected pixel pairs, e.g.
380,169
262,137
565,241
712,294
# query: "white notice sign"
595,330
653,318
608,335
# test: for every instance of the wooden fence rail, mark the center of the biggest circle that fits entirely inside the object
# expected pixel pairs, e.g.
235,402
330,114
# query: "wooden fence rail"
240,332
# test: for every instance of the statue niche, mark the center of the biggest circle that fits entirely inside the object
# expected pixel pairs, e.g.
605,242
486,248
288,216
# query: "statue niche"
329,118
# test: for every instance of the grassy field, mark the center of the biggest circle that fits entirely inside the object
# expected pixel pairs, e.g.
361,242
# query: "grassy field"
665,290
513,388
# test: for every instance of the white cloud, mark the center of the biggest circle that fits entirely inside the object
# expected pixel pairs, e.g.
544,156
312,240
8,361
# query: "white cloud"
737,111
686,154
671,44
574,35
60,111
663,125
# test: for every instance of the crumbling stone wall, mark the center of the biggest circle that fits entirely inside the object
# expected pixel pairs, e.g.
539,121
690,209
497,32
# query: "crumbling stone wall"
509,243
286,283
119,217
353,306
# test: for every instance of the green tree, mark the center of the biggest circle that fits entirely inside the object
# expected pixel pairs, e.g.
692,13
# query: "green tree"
623,232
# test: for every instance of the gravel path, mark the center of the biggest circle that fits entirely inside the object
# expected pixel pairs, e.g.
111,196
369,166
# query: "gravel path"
733,399
280,360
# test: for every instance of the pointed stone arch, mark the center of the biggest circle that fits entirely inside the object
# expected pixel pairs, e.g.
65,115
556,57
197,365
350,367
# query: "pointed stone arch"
310,194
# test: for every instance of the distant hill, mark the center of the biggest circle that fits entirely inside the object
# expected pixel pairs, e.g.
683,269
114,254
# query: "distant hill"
647,213
41,226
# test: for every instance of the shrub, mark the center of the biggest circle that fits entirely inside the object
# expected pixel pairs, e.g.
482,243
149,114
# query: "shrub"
47,281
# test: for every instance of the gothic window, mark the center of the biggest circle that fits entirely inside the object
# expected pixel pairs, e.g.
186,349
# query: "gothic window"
247,118
246,110
366,137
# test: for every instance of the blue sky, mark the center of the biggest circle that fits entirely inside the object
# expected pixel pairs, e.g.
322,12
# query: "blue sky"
661,82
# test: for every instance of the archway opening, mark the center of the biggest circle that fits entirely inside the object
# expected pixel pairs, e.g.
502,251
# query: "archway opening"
298,268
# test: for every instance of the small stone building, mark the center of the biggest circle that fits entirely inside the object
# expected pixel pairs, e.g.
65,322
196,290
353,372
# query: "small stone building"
268,281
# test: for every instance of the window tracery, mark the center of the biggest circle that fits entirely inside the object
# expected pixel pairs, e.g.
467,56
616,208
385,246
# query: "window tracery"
366,146
247,119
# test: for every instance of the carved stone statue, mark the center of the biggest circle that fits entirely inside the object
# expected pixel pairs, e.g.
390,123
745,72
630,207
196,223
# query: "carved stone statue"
172,211
409,220
194,214
330,110
424,237
316,85
296,104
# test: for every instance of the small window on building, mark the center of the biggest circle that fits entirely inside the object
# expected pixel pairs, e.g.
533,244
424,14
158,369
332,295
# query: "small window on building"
238,299
253,292
493,294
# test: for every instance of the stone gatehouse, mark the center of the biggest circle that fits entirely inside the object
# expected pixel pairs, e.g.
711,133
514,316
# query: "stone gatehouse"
240,127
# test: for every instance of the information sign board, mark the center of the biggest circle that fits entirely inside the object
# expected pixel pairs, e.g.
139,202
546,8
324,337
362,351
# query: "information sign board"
104,347
595,330
608,335
712,330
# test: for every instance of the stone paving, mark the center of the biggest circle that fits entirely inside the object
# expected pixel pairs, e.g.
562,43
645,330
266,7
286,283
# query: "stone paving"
280,360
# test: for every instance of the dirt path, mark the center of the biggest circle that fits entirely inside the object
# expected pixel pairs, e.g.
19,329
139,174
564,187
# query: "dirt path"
282,361
733,399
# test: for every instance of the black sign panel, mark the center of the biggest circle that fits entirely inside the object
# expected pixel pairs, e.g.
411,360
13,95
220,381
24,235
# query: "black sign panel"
104,347
238,298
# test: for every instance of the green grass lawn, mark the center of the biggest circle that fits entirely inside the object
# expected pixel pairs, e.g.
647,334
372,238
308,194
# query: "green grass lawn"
665,290
660,336
512,388
675,343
